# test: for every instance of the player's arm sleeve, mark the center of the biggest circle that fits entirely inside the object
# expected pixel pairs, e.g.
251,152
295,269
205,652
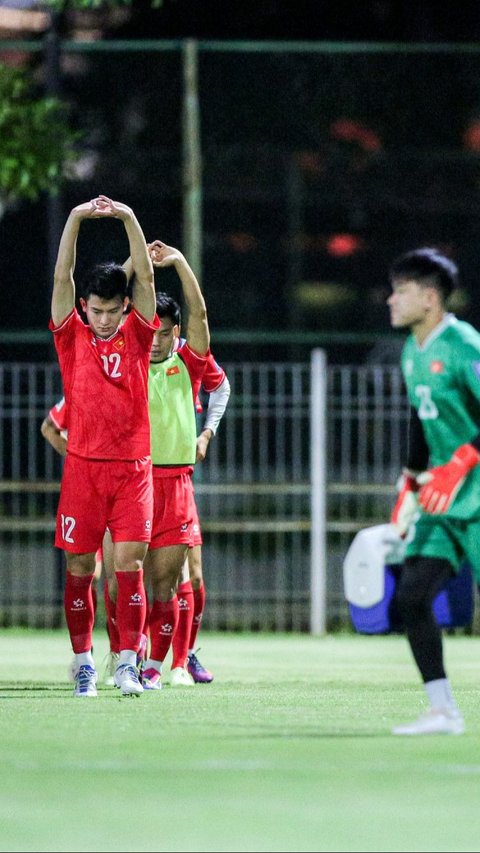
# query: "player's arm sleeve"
58,415
139,330
217,403
417,449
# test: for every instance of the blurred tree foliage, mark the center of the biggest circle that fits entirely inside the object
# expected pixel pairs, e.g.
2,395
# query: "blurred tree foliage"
35,139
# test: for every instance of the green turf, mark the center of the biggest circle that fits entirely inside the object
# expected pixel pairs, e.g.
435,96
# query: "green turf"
289,749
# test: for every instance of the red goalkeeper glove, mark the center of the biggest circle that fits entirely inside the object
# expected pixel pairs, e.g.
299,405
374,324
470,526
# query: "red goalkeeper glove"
440,485
406,504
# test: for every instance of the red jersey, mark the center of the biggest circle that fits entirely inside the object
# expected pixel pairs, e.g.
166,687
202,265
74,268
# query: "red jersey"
213,375
106,387
58,415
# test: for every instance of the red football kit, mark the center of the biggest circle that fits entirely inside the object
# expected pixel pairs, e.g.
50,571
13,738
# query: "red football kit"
105,385
197,530
174,504
213,375
212,378
173,507
58,416
107,474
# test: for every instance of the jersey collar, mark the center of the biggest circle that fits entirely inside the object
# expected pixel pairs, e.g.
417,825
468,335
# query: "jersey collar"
447,321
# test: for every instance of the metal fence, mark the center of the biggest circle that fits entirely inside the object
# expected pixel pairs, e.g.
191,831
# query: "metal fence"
253,491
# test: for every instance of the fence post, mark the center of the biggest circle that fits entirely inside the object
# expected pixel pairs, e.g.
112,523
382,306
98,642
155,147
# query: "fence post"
192,159
318,417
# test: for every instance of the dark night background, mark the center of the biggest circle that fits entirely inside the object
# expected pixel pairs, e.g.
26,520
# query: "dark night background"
318,167
375,20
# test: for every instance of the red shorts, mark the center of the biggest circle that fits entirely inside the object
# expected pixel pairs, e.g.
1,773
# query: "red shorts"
197,530
100,494
172,508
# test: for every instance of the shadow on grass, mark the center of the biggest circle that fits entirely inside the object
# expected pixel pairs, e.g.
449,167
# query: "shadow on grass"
301,734
32,688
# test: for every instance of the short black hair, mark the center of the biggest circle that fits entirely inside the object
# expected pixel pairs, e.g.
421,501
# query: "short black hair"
167,307
106,280
429,268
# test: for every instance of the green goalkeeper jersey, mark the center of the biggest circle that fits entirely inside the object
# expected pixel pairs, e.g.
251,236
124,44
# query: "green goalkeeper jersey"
443,384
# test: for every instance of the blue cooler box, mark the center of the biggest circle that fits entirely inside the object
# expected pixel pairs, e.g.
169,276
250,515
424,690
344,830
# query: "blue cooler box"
371,571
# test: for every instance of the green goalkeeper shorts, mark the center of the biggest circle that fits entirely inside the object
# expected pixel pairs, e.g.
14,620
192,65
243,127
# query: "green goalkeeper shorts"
448,539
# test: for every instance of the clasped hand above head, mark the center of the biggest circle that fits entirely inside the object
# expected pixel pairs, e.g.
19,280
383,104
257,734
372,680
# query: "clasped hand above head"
102,206
163,255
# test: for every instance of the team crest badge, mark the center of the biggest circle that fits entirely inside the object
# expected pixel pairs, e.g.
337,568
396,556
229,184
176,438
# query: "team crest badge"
437,367
172,370
119,344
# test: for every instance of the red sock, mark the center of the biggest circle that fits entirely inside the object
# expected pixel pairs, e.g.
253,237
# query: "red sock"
130,609
112,630
163,624
198,608
147,619
79,612
94,597
181,637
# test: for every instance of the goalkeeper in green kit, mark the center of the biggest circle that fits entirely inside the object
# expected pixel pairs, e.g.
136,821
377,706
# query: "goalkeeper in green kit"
438,506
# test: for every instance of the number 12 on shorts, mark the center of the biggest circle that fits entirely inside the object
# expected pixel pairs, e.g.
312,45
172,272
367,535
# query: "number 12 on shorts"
68,523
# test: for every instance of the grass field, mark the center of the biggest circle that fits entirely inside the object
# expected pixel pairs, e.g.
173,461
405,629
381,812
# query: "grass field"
289,749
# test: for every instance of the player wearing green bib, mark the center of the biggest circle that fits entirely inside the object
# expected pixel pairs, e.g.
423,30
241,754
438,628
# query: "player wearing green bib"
174,381
438,507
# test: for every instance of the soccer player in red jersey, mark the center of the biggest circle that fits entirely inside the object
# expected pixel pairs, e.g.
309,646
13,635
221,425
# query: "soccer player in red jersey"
107,476
54,429
191,590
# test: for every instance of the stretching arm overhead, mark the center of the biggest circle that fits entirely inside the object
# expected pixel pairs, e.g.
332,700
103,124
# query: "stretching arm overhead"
198,333
63,296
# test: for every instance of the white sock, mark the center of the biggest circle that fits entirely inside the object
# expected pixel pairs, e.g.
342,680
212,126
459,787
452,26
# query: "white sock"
440,694
127,657
85,659
153,664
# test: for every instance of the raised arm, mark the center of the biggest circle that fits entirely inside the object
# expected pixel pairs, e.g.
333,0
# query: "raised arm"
143,293
128,267
198,334
63,295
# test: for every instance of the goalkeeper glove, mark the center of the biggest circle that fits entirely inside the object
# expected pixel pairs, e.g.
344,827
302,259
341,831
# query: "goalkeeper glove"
440,485
406,504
